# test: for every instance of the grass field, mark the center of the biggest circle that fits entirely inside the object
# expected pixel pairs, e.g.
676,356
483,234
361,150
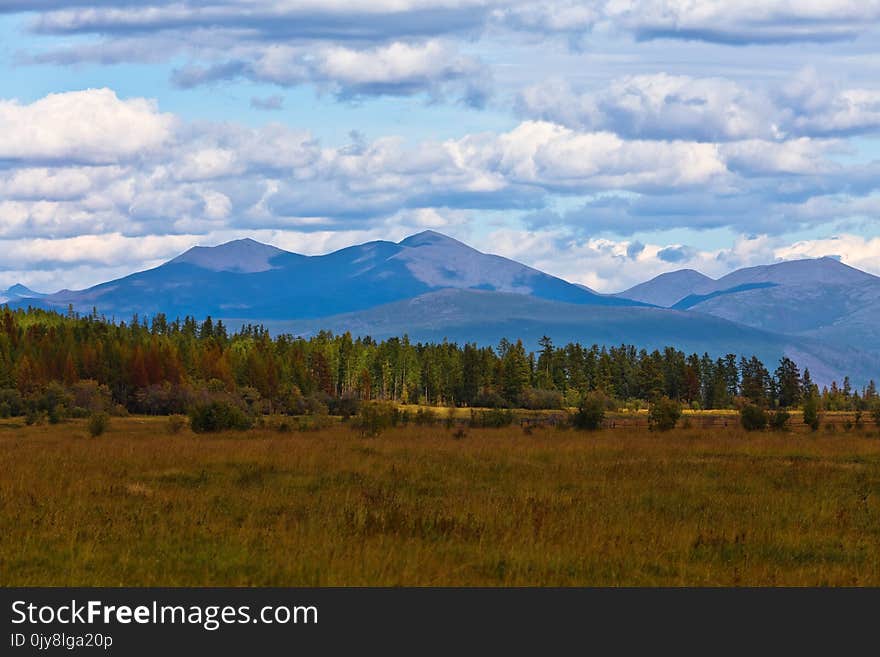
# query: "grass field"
416,506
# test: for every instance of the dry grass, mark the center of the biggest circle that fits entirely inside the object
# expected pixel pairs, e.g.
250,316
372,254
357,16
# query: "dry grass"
419,507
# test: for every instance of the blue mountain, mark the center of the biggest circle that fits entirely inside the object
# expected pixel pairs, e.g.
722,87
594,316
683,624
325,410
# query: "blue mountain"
249,280
821,313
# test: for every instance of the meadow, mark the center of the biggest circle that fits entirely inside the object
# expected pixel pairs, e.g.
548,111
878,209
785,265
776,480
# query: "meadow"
703,506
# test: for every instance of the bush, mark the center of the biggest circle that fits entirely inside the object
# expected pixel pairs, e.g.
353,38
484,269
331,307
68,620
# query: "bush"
495,418
98,423
314,422
779,420
590,413
663,414
811,411
375,417
34,416
175,424
753,417
11,398
5,410
875,412
490,399
538,399
346,406
218,416
425,417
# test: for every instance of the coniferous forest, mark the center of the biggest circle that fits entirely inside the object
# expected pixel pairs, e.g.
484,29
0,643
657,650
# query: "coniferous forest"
66,363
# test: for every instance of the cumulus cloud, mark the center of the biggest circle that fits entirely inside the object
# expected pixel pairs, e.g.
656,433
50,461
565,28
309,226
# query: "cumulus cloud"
607,265
663,106
92,126
146,173
402,47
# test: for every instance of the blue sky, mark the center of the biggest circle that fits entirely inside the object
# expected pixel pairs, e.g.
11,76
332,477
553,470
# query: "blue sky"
604,142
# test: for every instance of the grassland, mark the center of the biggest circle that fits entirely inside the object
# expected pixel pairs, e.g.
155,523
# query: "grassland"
415,506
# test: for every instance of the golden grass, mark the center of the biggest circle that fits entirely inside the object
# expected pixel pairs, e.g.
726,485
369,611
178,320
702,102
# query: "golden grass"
417,507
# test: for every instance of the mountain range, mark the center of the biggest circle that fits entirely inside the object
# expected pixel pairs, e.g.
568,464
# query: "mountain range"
822,313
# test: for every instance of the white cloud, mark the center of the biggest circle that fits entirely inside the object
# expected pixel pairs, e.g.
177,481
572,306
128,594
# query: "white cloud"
92,126
658,106
663,106
860,252
222,178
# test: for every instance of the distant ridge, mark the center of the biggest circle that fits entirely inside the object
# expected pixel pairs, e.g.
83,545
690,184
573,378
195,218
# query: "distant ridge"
432,285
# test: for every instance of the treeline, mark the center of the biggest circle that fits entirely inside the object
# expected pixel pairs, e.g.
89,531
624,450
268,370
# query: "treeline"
51,360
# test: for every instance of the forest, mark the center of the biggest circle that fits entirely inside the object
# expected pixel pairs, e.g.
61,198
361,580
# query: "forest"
71,363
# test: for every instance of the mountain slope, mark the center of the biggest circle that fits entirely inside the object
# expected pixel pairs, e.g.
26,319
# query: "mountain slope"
486,317
820,298
666,289
244,256
262,282
18,292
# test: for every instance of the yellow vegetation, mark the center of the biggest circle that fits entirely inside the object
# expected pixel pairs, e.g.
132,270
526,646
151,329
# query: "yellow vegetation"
416,506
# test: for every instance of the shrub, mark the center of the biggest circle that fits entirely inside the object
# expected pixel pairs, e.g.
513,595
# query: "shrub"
590,413
218,416
5,410
12,399
811,411
375,417
346,406
54,400
33,416
494,418
753,417
875,412
490,399
663,414
175,424
538,399
98,423
779,420
425,417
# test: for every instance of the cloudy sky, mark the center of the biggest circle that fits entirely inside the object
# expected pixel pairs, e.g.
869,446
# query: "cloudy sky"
604,142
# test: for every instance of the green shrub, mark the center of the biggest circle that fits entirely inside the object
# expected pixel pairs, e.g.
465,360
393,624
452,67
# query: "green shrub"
12,399
5,410
346,406
494,418
218,416
98,423
663,414
811,411
539,399
590,413
314,422
33,416
753,418
375,417
779,420
875,412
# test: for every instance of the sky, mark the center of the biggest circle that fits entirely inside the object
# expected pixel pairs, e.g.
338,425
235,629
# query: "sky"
604,142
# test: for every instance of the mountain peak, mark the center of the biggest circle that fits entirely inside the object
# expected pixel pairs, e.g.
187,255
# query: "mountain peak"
20,291
244,256
430,238
667,288
826,270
